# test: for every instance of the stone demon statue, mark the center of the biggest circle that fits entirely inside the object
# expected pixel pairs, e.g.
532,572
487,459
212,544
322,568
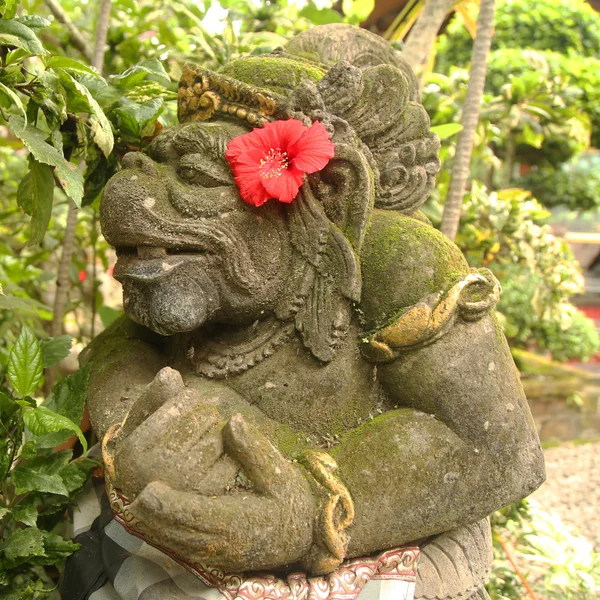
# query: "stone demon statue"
300,383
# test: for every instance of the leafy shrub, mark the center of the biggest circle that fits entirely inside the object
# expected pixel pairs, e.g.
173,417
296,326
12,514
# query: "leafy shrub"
572,186
37,483
576,73
569,26
505,232
555,562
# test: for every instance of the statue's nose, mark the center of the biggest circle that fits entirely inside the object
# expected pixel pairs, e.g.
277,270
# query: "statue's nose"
137,160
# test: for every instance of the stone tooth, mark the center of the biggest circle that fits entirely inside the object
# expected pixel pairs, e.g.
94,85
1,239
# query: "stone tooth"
151,252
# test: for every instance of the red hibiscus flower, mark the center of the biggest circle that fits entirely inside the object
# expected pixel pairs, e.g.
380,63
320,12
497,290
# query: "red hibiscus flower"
271,162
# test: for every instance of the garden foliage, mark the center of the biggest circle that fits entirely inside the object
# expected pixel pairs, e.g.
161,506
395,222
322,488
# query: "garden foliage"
37,484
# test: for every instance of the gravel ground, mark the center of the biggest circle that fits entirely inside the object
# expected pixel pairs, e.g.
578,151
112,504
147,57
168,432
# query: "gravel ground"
572,488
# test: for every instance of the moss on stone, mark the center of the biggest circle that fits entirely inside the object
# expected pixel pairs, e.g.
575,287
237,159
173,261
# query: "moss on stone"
404,260
280,75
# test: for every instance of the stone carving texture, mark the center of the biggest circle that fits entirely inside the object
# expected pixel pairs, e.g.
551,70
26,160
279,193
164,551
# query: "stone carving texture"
298,385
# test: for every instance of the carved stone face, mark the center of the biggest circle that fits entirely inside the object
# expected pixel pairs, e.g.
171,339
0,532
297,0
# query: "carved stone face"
190,251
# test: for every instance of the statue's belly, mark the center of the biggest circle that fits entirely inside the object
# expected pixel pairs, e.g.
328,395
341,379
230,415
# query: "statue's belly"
323,400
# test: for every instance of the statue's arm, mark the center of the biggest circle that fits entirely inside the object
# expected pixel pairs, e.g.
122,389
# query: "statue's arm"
125,358
464,443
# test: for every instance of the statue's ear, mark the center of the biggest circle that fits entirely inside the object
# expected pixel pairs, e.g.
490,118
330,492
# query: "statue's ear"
327,223
346,191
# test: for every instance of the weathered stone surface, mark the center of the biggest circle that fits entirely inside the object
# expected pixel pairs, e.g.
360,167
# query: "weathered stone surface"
259,335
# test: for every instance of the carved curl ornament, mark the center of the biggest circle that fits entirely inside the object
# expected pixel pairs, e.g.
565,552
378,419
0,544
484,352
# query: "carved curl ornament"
424,322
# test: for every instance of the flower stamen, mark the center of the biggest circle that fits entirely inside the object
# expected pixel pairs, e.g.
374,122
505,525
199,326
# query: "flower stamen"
273,164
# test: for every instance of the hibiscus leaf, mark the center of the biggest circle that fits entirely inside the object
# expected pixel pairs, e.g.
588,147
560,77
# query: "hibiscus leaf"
67,399
101,128
28,480
13,96
25,368
35,141
23,543
55,349
25,513
13,33
42,420
69,64
35,195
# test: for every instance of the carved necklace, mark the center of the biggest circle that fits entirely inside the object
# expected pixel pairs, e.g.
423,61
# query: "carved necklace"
223,355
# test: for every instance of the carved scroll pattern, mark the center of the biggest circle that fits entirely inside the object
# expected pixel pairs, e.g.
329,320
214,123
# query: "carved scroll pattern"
421,324
345,583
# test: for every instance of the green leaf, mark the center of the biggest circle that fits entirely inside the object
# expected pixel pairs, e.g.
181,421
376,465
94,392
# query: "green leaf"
134,117
108,315
50,462
42,420
34,21
8,8
321,16
29,450
57,548
9,445
77,472
24,368
101,128
35,195
23,543
68,399
15,99
356,11
27,480
25,513
13,33
8,406
35,141
150,67
55,349
69,64
446,130
3,512
27,306
532,138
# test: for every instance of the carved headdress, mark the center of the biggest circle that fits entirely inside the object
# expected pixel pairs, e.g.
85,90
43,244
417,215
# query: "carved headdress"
366,95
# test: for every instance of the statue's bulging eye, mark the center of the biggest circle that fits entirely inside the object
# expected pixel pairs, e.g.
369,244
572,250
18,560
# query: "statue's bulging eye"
197,176
204,170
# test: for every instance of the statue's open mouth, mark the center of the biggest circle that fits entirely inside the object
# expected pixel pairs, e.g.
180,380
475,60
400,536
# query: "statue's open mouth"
151,263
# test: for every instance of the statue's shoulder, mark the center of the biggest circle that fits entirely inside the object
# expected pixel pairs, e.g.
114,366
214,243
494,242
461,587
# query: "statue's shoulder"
404,261
416,284
121,332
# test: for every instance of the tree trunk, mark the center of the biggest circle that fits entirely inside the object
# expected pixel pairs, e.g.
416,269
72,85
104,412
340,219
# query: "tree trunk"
76,36
421,39
101,35
68,245
63,282
469,119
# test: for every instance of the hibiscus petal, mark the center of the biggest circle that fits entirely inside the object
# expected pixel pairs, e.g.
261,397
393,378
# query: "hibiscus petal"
313,150
284,134
252,192
285,187
249,161
246,171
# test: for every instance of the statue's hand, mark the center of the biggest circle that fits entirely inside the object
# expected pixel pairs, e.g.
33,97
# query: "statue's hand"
171,434
265,527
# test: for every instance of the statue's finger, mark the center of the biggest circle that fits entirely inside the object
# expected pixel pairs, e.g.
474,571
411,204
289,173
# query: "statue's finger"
166,384
218,530
178,444
161,509
266,467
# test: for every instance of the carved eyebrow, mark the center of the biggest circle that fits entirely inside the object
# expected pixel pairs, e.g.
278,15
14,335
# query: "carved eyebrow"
198,138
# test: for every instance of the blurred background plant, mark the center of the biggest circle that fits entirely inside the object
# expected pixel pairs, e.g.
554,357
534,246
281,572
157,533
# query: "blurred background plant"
537,555
82,82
